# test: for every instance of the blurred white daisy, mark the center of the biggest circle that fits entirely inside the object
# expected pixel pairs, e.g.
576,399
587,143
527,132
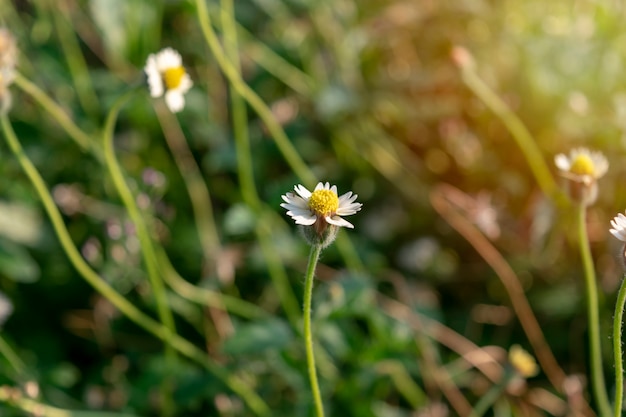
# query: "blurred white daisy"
582,168
619,227
321,207
166,74
8,61
582,165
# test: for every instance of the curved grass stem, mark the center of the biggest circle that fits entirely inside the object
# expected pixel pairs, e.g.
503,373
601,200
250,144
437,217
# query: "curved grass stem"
77,134
245,169
147,247
183,346
516,128
282,141
593,317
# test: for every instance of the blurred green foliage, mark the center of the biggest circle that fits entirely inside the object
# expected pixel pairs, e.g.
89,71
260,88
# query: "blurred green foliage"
370,98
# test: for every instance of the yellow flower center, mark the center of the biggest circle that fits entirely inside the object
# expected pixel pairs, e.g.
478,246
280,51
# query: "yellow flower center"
173,76
324,202
582,165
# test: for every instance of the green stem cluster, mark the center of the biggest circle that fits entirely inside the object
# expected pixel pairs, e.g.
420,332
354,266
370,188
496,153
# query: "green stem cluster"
160,331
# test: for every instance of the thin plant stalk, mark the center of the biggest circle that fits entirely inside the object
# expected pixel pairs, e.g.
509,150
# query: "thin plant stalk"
75,60
617,346
238,108
197,189
442,201
593,317
245,169
308,337
263,111
282,141
180,344
147,247
516,128
201,205
76,134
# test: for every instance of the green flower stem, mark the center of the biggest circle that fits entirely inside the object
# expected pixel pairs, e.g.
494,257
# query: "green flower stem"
516,128
80,138
158,330
597,374
282,141
147,248
310,357
617,347
197,189
238,109
285,72
245,171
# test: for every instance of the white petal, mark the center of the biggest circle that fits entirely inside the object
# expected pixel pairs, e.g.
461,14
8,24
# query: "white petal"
302,191
319,186
619,234
185,84
338,221
168,58
175,101
299,212
562,162
348,211
334,189
347,197
294,200
305,221
155,83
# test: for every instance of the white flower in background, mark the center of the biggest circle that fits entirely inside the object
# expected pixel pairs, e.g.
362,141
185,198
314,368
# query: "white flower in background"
619,227
166,75
320,206
582,165
8,61
582,168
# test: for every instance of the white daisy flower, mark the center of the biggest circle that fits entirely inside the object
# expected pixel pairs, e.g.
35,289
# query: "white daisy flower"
582,165
320,207
619,227
166,74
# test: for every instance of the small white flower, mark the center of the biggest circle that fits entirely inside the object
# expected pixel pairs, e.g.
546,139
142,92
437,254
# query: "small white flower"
582,165
619,227
166,74
322,206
